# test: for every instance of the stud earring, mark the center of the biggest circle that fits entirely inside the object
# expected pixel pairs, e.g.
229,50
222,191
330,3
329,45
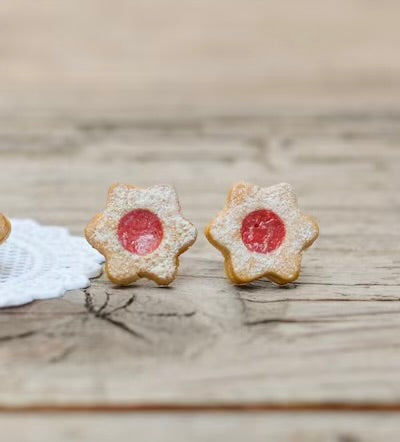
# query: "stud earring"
141,233
262,233
5,228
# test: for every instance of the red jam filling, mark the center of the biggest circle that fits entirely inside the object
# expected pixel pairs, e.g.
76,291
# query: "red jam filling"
262,231
140,231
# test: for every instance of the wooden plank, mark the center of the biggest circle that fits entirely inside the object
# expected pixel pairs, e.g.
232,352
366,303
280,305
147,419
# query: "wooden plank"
331,338
150,346
286,427
175,57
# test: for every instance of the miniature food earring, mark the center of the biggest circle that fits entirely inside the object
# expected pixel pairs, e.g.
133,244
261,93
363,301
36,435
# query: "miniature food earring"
5,228
262,233
141,233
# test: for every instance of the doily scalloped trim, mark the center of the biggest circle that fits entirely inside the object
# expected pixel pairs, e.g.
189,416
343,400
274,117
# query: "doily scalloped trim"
42,262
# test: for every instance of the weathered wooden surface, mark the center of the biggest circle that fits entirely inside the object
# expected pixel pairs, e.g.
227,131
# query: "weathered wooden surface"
200,95
177,57
330,338
205,427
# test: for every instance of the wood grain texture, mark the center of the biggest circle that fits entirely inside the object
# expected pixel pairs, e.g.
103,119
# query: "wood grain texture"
178,57
330,338
200,95
207,427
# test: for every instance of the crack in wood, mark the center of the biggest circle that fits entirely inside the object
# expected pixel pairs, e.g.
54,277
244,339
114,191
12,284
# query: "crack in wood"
275,301
125,306
63,355
18,336
168,314
101,314
283,321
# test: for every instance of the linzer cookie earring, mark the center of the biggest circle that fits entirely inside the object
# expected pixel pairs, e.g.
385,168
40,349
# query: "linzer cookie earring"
141,233
262,233
5,228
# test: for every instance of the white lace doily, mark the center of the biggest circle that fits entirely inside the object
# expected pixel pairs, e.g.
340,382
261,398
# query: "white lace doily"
40,262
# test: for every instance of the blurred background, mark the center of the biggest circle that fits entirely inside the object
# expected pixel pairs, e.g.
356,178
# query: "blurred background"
168,57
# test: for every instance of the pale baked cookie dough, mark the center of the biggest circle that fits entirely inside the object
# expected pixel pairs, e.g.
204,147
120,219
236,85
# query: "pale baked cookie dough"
141,233
5,228
262,233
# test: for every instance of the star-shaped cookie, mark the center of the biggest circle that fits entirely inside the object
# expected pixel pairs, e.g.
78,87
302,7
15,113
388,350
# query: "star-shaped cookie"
141,233
262,233
5,228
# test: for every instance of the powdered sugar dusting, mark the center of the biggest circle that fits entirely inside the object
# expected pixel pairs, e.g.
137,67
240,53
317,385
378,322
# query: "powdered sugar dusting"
284,261
159,265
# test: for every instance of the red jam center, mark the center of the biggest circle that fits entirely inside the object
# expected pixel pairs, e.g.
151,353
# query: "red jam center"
140,231
262,231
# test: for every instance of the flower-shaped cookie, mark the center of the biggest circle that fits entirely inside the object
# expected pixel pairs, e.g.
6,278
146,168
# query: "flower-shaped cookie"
262,233
5,228
141,233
